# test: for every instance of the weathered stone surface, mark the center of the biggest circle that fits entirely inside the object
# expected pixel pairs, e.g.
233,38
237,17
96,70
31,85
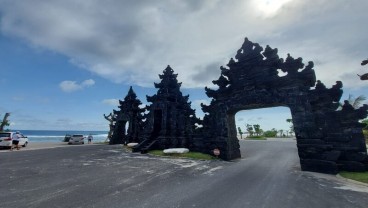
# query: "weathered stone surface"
352,166
355,156
129,113
331,155
321,166
327,138
170,121
324,134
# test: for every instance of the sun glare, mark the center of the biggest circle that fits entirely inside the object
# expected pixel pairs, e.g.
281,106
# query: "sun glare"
269,7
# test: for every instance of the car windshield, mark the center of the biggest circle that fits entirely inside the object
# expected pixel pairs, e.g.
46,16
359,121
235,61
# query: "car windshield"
4,134
77,135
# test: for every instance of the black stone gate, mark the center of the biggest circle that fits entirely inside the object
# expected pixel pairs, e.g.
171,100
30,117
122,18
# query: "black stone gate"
328,139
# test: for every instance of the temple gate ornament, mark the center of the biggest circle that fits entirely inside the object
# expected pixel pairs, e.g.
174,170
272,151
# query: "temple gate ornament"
170,121
328,140
364,76
128,120
111,120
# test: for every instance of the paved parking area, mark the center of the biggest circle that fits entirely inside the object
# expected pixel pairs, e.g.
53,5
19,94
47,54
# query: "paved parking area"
268,175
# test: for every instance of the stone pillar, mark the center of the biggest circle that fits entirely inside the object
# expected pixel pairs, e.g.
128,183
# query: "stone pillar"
315,154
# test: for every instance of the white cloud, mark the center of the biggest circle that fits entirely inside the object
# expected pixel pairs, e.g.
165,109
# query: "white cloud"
143,105
112,102
196,104
23,120
88,83
71,86
133,41
269,8
199,102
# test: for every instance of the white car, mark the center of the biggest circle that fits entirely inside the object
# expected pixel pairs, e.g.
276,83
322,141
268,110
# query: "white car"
76,139
6,139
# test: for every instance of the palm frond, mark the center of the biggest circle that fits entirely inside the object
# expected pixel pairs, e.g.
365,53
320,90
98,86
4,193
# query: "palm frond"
358,101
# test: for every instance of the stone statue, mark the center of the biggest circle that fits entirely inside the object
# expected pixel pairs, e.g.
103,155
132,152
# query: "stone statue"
110,118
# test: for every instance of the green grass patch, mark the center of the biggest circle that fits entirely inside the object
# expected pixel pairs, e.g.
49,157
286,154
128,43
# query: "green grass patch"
357,176
256,138
365,132
192,155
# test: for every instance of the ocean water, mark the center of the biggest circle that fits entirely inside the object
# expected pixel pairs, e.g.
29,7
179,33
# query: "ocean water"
58,136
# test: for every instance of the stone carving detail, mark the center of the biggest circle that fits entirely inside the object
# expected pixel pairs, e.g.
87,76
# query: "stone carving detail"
328,140
129,114
364,76
170,121
111,120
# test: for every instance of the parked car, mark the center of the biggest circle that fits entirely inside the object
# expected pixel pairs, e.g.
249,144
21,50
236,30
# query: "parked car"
76,139
6,139
67,137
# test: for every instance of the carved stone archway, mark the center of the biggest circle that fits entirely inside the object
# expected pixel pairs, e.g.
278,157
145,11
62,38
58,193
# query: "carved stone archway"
328,140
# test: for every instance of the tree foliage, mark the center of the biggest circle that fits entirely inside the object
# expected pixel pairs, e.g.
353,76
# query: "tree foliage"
250,129
257,129
355,102
5,122
254,130
270,133
291,129
240,132
365,121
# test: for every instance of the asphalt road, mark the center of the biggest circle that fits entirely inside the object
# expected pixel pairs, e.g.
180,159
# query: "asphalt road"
268,175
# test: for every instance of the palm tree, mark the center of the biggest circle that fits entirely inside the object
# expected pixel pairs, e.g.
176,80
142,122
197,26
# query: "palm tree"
240,132
355,102
250,130
4,122
289,120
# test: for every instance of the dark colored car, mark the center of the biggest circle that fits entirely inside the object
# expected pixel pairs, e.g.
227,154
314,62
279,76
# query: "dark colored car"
67,137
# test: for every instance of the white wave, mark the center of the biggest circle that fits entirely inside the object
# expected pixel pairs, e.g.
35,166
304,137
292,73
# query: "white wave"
37,136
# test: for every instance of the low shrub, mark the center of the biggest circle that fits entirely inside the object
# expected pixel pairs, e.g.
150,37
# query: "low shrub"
270,133
256,137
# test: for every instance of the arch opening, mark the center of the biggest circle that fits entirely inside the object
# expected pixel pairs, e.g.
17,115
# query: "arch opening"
263,123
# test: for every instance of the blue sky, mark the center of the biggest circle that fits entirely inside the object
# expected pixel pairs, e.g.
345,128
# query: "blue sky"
63,64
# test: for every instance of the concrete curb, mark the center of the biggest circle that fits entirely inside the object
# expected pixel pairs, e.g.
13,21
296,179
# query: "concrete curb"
352,181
